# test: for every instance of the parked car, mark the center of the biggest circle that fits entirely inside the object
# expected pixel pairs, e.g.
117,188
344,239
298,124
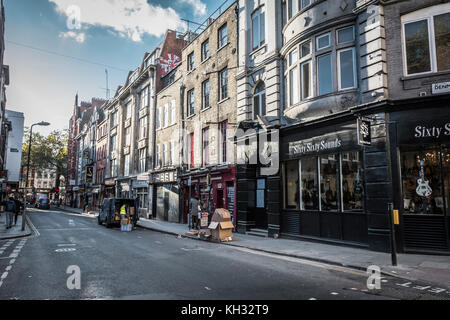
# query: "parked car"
109,213
43,204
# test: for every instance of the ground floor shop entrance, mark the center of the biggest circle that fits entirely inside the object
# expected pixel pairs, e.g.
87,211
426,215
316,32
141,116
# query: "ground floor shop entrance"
422,178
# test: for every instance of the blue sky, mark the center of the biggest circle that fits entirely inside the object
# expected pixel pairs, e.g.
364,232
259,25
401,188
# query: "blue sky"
43,85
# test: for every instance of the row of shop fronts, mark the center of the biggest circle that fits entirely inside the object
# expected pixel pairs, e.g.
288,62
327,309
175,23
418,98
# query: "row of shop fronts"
332,188
329,187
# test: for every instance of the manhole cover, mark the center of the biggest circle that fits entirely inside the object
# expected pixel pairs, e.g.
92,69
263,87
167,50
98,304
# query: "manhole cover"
65,250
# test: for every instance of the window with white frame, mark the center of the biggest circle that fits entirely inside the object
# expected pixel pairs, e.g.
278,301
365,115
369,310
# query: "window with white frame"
346,69
144,97
166,115
426,38
164,155
126,168
128,110
205,89
158,156
142,160
158,118
325,73
299,73
205,50
127,136
143,126
258,28
173,110
323,41
190,98
190,65
259,100
223,78
345,35
223,36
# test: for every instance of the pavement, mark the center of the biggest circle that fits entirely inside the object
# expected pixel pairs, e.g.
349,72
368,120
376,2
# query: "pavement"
432,269
15,231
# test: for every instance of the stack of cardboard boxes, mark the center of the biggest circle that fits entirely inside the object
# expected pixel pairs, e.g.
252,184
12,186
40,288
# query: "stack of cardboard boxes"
221,227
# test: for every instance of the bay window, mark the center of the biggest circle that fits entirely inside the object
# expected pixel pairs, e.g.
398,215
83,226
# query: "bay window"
347,69
325,74
426,34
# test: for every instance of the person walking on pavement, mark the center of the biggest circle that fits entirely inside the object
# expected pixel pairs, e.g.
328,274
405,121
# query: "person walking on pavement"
19,208
193,210
10,210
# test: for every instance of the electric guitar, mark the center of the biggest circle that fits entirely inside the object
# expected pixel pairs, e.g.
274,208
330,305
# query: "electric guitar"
423,186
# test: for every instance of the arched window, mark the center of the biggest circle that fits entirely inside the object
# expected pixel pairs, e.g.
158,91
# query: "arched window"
259,100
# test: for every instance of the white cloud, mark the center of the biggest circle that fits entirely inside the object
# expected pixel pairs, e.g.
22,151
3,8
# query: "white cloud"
128,18
199,6
78,37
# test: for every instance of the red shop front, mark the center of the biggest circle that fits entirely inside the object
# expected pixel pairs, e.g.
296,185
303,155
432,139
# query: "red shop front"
215,188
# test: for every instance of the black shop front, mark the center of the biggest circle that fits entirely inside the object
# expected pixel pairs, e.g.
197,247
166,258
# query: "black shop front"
329,183
420,148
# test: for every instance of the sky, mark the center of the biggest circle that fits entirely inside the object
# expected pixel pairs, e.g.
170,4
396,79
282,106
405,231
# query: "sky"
56,48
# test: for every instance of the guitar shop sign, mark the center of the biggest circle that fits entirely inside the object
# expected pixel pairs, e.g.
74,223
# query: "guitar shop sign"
424,131
300,148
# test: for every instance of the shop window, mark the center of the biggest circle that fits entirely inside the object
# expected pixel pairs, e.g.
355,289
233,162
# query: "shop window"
260,193
310,186
292,187
329,180
425,180
352,181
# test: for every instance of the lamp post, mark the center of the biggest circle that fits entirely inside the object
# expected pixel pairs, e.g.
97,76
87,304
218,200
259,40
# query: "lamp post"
42,123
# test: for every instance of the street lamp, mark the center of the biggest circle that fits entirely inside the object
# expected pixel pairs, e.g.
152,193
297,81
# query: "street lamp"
44,124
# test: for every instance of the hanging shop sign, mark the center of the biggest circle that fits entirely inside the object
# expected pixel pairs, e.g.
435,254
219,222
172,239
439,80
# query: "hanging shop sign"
364,132
89,174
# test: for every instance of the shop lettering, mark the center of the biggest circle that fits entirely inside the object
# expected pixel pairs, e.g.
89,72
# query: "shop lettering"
432,132
296,148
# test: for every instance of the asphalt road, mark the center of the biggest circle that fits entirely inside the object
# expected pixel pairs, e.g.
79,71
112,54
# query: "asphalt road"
151,265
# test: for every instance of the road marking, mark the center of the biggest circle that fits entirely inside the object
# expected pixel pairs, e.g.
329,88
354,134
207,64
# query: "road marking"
65,250
1,282
4,275
335,293
67,245
13,255
8,268
12,261
209,289
312,299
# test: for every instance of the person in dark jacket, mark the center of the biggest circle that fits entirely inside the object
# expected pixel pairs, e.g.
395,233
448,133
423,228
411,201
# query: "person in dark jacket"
19,208
10,210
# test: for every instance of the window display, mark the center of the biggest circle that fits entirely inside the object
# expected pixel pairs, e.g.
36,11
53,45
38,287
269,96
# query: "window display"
329,180
341,183
424,179
352,181
310,186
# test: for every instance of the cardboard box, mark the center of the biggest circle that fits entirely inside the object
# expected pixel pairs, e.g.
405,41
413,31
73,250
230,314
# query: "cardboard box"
221,227
132,211
126,228
124,222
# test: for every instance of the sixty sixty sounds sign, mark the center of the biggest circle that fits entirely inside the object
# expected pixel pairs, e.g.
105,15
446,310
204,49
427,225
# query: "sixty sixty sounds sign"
424,131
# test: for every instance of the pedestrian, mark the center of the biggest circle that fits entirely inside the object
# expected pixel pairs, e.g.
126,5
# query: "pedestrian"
137,203
10,210
19,208
193,211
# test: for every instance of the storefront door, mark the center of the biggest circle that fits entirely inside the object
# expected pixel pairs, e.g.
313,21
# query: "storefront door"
425,188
